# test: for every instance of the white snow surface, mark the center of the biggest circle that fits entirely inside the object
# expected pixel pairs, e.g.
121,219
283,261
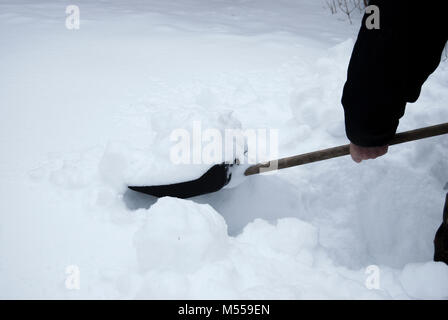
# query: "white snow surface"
86,112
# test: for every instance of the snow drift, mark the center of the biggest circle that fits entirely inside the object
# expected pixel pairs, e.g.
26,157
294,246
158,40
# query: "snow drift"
87,112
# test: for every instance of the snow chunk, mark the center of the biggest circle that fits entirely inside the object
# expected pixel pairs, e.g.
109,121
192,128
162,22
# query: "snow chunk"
180,235
289,235
425,280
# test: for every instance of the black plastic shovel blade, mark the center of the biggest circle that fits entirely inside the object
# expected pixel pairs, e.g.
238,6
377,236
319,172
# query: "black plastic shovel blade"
211,181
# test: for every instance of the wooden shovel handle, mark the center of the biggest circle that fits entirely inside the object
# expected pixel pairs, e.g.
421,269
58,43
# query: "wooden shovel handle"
344,150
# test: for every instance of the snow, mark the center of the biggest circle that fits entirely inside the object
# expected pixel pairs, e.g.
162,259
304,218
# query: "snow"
425,280
87,112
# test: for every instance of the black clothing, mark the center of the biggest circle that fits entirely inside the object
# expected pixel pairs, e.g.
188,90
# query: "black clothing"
441,239
389,66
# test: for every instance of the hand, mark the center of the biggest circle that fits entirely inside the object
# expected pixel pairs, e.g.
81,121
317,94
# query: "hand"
359,153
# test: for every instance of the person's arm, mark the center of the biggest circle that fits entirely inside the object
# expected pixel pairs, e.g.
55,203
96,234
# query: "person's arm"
387,69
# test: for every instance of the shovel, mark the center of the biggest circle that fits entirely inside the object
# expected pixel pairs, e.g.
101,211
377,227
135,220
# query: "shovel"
220,175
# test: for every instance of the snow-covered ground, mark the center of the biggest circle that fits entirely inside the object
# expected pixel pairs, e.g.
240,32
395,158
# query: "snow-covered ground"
85,112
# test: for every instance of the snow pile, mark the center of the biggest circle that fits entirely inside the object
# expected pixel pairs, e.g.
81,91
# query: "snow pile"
88,112
425,280
188,236
184,252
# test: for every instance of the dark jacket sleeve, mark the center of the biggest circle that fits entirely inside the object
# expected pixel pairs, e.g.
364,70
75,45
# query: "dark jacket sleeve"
388,67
